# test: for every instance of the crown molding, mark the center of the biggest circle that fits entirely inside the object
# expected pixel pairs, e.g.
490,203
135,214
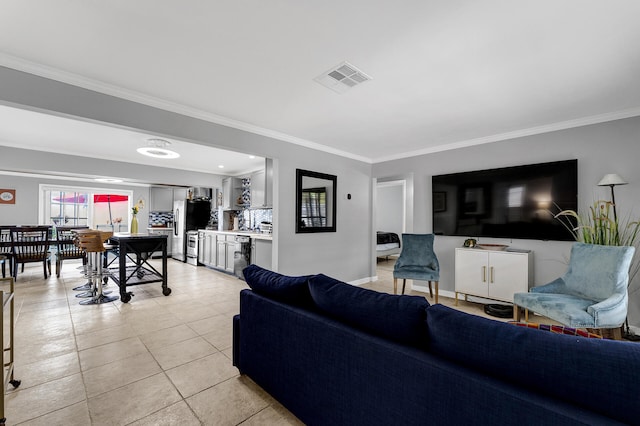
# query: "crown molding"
24,65
56,74
547,128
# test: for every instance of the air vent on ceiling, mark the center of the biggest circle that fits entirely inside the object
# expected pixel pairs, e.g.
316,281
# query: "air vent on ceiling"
342,77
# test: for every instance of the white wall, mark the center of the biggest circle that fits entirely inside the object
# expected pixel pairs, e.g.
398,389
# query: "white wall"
612,147
346,254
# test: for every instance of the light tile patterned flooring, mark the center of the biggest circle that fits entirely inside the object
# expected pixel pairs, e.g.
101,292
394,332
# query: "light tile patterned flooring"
154,361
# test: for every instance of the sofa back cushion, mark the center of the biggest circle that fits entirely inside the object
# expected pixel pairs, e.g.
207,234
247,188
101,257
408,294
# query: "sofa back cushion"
287,289
599,374
396,317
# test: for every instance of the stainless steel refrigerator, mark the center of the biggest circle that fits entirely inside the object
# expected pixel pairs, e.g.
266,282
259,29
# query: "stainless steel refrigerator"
188,215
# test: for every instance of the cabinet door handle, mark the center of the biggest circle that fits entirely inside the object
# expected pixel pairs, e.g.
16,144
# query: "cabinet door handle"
491,275
484,274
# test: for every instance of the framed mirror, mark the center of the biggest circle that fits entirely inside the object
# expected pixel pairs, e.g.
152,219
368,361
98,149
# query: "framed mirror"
315,202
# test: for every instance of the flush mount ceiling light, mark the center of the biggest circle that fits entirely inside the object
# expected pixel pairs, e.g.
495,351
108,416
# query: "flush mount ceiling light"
157,148
108,180
342,77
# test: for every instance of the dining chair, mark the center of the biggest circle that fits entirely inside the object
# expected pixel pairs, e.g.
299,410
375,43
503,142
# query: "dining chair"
66,247
417,261
30,244
5,249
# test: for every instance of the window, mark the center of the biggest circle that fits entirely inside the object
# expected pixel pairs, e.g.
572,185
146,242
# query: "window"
314,207
97,208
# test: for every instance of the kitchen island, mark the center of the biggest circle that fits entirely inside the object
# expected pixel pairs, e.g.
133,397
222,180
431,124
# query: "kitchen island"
137,248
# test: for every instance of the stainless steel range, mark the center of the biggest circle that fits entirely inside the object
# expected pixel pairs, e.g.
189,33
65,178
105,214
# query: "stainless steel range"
192,248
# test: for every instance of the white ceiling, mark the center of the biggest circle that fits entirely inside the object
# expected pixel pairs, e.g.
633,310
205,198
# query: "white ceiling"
444,74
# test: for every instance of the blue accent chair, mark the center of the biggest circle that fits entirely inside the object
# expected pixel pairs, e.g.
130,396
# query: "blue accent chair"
417,261
592,294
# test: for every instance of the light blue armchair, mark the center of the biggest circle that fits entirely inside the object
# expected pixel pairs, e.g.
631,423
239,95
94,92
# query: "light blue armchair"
592,294
417,261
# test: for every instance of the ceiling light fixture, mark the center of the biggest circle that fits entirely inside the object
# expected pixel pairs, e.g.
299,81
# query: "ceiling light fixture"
220,166
108,180
157,148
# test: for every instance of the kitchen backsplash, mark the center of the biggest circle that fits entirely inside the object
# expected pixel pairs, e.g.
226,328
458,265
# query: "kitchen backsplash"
160,218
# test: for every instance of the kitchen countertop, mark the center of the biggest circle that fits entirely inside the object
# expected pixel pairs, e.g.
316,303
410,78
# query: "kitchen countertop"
256,235
160,228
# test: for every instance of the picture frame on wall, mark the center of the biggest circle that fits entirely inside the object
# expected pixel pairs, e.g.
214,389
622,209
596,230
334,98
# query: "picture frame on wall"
439,202
7,196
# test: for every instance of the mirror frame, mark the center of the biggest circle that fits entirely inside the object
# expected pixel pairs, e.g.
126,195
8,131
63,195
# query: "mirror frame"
300,174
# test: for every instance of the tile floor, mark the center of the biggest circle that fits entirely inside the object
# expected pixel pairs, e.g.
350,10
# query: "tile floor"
154,361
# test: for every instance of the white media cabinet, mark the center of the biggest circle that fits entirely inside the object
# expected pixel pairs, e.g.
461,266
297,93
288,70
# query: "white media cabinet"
490,274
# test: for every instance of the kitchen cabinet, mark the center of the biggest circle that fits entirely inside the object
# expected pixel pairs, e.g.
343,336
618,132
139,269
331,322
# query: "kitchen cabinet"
225,252
207,251
161,231
231,191
492,274
160,199
261,186
179,194
261,252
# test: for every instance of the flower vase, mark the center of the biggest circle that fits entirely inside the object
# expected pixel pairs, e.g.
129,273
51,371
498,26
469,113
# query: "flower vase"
134,224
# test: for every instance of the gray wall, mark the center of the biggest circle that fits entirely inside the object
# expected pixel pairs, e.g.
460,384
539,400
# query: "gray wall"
25,210
612,147
346,254
389,213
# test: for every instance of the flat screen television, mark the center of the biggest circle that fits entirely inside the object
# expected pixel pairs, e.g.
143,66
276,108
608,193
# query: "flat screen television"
512,202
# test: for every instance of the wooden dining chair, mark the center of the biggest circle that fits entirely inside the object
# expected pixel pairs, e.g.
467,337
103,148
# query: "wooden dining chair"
5,249
66,246
30,244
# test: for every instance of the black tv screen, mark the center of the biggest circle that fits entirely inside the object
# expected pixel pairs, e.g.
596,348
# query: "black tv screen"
512,202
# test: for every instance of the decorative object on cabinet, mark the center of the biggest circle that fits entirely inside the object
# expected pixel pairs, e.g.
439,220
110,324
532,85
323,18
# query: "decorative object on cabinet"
316,199
417,261
592,294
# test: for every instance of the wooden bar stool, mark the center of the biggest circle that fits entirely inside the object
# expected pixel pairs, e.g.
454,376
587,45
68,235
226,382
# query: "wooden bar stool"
92,241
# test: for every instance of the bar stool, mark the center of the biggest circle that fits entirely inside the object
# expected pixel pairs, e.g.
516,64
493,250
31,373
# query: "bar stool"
92,241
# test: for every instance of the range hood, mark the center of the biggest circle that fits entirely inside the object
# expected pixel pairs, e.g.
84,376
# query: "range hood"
200,193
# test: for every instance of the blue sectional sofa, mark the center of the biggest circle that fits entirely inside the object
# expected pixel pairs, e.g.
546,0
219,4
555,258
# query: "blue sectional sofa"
336,354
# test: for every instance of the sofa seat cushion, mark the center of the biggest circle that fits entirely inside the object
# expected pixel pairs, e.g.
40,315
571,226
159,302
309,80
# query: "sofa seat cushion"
557,365
396,317
287,289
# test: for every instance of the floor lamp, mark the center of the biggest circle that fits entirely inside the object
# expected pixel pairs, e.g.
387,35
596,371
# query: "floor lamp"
612,180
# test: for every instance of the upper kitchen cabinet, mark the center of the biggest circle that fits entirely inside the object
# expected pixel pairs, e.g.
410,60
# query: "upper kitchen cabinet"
231,192
261,186
179,194
160,199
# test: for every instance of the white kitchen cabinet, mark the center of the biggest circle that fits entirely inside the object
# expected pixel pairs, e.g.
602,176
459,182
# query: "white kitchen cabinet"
225,252
162,231
261,252
231,191
492,274
160,199
261,186
207,250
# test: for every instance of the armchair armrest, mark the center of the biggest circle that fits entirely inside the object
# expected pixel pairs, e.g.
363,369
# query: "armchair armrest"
611,312
556,286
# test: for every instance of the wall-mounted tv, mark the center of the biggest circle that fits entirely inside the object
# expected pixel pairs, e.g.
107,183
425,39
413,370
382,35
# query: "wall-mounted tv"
512,202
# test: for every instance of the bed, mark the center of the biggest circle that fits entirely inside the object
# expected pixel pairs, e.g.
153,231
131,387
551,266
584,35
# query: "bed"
387,244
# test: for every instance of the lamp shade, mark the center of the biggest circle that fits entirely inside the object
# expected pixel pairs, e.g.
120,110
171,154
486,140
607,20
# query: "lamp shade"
611,179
